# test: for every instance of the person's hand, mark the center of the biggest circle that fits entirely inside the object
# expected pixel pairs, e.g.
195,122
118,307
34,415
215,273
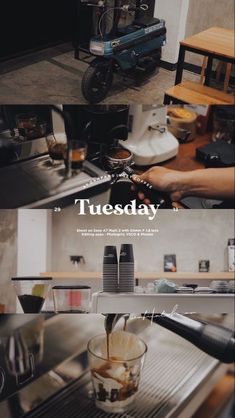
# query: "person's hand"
163,180
212,183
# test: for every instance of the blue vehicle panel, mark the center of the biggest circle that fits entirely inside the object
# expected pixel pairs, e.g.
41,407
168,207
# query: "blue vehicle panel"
134,47
129,58
126,49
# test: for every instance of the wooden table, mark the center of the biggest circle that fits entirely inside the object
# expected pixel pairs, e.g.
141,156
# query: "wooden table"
214,43
186,160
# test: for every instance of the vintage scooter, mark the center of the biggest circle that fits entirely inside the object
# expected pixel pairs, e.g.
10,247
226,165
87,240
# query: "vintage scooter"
133,49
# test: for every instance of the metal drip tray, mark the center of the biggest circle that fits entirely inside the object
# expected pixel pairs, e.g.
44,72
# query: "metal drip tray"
174,372
37,184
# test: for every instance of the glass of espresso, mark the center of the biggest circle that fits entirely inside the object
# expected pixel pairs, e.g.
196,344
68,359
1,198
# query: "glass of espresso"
116,361
78,154
31,292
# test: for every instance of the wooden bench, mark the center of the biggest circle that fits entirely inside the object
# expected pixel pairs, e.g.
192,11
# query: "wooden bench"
190,92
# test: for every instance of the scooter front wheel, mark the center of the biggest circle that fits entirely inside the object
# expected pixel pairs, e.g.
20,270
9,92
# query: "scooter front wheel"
97,81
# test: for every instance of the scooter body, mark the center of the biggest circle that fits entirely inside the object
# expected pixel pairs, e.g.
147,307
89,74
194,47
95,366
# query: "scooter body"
129,47
134,50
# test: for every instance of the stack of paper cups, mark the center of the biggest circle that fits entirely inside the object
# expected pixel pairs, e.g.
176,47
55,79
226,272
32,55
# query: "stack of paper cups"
126,269
110,269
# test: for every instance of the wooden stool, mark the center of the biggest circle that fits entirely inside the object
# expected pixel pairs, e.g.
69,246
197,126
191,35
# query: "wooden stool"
190,92
218,72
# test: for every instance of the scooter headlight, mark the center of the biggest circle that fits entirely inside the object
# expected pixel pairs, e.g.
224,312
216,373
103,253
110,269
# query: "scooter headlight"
96,48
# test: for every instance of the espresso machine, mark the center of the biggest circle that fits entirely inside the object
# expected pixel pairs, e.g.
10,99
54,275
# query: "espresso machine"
26,168
112,138
218,342
101,126
177,376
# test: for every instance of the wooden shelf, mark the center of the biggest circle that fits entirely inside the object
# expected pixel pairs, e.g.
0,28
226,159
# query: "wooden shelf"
84,275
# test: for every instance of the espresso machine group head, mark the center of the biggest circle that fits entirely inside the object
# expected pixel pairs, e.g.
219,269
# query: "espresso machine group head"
100,124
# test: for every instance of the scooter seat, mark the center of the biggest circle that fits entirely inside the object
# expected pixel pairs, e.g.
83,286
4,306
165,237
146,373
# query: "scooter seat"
146,21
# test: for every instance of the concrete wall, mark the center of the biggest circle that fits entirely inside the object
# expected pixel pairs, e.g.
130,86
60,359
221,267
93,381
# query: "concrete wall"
190,234
8,255
34,241
187,17
203,14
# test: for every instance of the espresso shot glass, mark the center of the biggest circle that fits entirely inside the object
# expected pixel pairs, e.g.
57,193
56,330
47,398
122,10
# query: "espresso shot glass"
78,154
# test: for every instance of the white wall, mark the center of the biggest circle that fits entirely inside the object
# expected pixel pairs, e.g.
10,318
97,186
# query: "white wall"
175,13
33,241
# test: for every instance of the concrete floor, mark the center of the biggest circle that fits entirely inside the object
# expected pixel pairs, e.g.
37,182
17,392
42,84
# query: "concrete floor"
56,78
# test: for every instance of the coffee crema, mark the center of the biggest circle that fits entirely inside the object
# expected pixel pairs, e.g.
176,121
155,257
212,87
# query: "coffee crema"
119,153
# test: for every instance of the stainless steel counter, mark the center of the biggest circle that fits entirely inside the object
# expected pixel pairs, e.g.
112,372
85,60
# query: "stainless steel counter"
37,184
